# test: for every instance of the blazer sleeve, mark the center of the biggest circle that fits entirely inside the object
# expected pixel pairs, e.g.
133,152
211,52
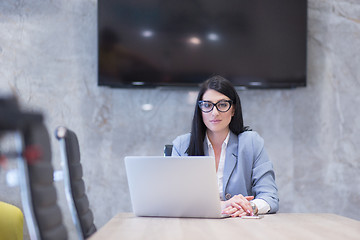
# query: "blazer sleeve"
180,145
263,175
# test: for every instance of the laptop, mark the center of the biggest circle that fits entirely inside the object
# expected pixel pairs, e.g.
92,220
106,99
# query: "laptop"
173,186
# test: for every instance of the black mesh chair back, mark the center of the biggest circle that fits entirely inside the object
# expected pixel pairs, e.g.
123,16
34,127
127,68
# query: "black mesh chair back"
47,214
74,185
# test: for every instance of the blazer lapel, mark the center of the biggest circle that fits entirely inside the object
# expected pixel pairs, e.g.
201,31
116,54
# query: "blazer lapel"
231,158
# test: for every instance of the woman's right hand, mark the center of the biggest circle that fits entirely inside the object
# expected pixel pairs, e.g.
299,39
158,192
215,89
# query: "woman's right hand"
238,206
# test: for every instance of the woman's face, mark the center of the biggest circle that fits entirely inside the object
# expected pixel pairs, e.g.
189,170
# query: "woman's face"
215,121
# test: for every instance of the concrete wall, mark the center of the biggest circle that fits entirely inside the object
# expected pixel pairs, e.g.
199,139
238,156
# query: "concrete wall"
48,60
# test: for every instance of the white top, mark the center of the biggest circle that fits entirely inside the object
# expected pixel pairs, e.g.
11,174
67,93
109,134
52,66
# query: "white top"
262,205
220,171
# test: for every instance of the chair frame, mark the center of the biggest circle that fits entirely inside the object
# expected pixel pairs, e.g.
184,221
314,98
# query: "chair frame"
25,192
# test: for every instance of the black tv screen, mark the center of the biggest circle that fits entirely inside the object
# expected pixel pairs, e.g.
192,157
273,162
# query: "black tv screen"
253,43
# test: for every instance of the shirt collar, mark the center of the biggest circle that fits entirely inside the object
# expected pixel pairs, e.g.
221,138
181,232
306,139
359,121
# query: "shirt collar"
225,143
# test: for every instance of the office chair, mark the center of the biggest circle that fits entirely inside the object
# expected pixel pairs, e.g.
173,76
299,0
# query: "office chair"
11,222
74,185
168,150
33,154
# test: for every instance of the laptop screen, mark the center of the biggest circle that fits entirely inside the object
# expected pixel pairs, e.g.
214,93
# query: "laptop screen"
173,186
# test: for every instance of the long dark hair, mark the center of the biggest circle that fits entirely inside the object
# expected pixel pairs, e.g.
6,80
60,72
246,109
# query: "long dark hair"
198,129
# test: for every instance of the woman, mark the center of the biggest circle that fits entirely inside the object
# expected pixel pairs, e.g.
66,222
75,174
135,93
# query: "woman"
246,177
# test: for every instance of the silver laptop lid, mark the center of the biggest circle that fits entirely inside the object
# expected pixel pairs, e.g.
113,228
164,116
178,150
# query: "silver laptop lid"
173,186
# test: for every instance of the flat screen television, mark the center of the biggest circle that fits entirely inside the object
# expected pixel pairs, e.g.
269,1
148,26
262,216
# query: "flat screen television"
253,43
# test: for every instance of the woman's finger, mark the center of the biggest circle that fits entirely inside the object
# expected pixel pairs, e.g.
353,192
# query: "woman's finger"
238,213
236,205
244,203
229,210
249,198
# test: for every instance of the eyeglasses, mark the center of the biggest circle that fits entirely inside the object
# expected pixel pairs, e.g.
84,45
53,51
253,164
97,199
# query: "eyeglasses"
221,106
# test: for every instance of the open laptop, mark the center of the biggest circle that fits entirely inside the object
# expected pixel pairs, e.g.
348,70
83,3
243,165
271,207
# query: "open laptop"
173,186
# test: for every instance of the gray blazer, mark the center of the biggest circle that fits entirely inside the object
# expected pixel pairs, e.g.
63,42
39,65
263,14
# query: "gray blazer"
247,171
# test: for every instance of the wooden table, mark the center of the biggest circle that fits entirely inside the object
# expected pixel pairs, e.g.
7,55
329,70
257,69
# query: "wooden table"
287,226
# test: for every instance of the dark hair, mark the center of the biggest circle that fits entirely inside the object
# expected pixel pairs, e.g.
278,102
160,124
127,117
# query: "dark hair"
198,129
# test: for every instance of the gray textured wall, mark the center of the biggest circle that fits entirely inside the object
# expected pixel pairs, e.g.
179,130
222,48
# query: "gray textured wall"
48,59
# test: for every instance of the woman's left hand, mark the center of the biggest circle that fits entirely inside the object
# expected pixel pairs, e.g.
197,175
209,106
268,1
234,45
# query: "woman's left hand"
238,206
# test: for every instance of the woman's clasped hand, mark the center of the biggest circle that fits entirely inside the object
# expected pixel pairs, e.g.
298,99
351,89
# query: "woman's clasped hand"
238,206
